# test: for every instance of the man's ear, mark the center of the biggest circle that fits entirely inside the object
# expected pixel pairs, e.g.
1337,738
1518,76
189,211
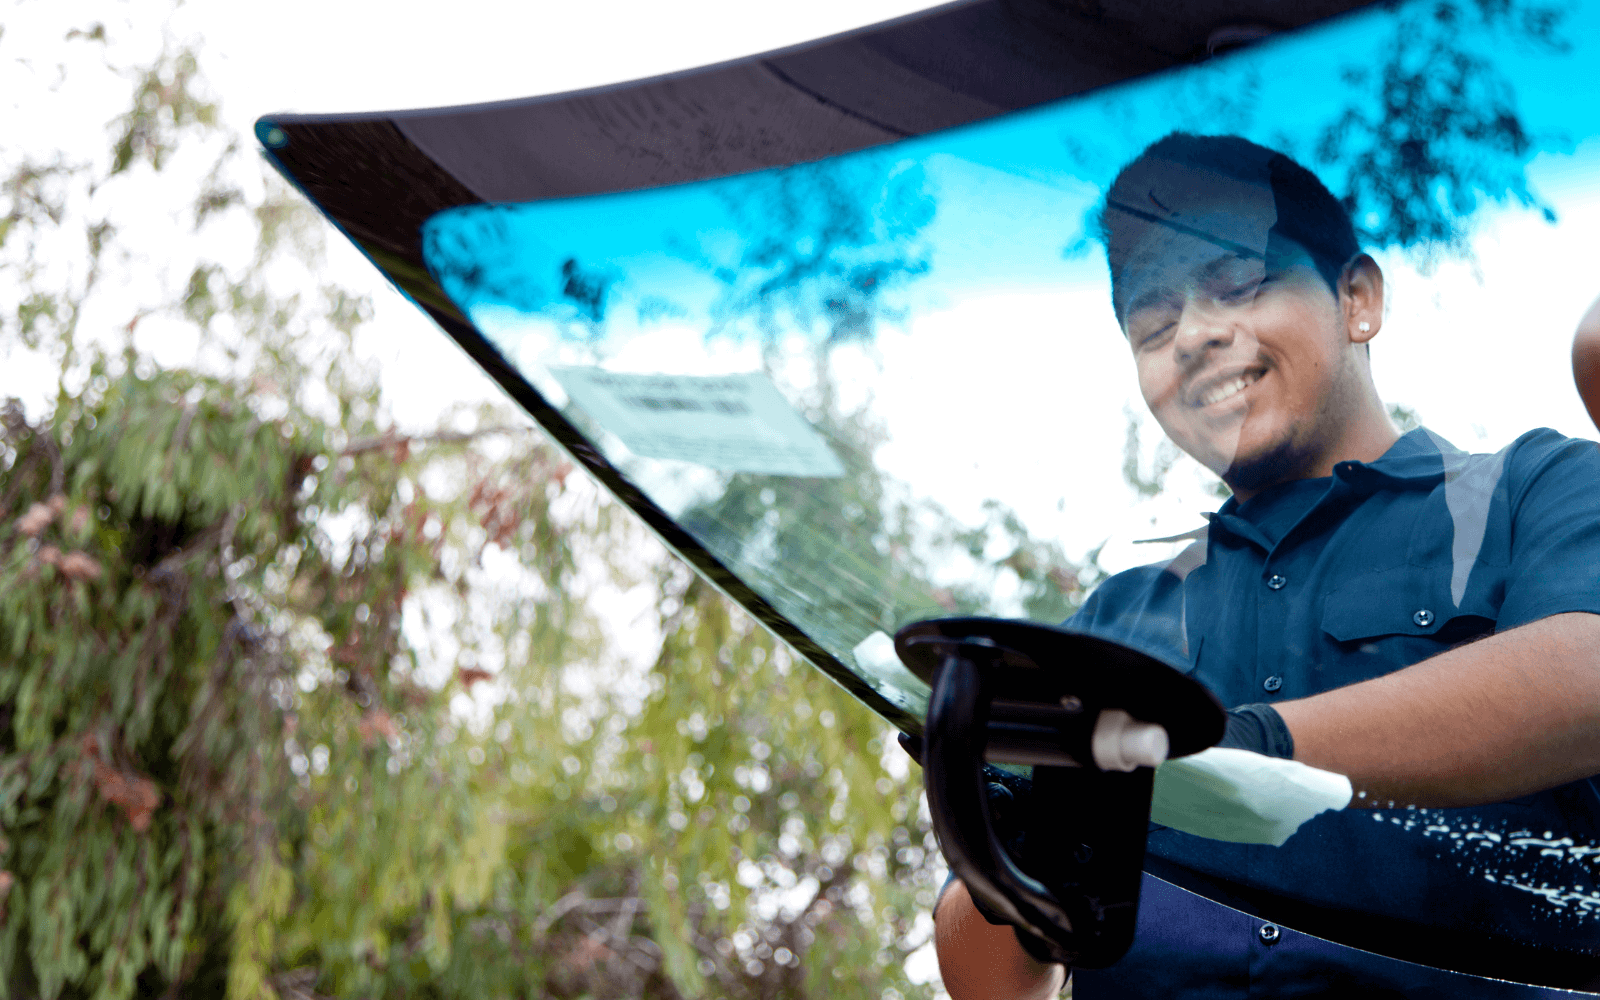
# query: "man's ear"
1361,298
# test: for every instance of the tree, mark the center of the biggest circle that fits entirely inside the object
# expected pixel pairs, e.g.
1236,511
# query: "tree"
294,702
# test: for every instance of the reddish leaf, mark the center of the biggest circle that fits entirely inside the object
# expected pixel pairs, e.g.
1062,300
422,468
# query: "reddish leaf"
137,795
35,520
376,722
78,566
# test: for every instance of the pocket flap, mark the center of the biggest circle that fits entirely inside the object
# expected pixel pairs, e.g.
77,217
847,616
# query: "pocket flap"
1402,600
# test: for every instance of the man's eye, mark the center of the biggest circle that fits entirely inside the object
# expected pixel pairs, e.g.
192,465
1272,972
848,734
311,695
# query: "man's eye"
1241,293
1155,337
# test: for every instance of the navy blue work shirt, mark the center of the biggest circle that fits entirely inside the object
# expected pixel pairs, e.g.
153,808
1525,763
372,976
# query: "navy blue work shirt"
1322,583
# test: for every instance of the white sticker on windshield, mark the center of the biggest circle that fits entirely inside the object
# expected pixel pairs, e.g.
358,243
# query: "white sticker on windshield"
738,423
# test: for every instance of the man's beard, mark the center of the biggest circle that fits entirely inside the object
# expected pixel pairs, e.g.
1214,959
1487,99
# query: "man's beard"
1284,462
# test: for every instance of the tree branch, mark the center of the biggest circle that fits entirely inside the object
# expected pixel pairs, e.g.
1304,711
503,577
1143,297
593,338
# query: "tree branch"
387,441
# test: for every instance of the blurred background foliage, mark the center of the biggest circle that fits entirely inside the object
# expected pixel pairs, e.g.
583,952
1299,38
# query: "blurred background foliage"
295,702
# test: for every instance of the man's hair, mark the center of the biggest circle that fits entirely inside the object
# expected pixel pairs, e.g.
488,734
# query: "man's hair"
1308,213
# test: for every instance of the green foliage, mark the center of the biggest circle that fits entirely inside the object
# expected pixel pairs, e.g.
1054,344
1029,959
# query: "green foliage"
165,104
295,704
137,691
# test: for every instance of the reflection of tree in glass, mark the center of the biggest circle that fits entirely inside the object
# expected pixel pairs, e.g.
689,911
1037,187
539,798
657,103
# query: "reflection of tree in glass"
823,242
481,257
1435,130
584,289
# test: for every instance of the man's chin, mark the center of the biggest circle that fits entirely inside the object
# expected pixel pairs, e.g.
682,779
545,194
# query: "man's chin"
1266,468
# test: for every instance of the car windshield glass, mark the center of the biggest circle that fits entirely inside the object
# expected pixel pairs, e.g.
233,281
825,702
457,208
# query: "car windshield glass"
905,383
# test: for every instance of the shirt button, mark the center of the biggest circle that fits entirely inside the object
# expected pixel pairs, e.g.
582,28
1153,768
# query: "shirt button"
1276,581
1269,934
1272,683
1423,618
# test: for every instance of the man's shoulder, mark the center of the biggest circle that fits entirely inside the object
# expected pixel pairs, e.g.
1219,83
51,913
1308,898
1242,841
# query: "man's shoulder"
1544,444
1530,446
1142,607
1533,455
1541,456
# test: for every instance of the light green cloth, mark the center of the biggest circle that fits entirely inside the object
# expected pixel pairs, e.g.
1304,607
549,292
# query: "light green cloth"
1247,798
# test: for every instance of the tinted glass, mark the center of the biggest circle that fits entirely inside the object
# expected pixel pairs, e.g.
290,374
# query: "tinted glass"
900,383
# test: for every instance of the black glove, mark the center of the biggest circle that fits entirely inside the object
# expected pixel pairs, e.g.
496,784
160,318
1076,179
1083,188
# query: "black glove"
1258,728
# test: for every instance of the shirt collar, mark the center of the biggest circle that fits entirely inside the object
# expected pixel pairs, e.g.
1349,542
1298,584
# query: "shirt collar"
1420,459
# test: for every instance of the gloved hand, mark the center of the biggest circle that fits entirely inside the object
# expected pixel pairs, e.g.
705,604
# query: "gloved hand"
1258,728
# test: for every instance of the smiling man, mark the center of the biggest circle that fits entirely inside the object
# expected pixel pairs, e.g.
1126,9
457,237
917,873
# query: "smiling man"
1381,605
1248,324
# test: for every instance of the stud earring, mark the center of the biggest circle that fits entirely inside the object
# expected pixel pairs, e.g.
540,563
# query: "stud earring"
1363,326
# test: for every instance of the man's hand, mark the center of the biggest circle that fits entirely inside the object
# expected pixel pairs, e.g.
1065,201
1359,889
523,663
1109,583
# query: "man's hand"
982,961
1509,715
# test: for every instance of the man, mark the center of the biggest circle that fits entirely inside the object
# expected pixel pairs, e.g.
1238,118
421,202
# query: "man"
1383,606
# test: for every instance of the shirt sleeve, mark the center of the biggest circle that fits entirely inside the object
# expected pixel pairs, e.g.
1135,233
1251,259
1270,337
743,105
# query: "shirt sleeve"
1554,497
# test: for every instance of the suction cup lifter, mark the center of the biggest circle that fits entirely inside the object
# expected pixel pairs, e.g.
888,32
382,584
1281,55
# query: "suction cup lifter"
1059,853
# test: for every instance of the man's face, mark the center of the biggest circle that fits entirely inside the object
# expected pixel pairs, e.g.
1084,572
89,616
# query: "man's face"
1243,358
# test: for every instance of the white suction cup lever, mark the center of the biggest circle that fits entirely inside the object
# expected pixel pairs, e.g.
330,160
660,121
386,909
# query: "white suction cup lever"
1122,743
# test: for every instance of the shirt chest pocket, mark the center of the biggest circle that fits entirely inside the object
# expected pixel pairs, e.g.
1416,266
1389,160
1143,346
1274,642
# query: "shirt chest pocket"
1411,601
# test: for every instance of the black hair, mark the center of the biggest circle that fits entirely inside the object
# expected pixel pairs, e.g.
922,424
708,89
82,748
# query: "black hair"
1308,213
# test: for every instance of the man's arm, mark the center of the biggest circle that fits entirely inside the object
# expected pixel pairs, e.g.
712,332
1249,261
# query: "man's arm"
1512,714
981,961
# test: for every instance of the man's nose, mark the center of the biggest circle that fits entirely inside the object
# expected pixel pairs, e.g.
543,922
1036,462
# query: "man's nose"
1202,326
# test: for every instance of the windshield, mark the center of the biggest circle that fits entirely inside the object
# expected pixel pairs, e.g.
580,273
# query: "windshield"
1040,368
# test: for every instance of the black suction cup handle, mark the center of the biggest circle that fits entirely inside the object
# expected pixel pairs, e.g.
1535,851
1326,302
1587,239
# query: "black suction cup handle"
958,800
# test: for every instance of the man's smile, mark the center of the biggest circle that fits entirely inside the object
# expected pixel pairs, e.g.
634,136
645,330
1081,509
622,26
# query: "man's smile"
1222,387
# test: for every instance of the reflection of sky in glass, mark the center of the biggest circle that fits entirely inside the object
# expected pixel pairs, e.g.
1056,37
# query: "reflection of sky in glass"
964,314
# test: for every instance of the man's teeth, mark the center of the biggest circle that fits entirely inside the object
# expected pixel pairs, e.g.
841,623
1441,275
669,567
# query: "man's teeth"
1227,389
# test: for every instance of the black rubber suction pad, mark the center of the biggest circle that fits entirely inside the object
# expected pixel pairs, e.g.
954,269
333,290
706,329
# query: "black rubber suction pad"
1050,663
